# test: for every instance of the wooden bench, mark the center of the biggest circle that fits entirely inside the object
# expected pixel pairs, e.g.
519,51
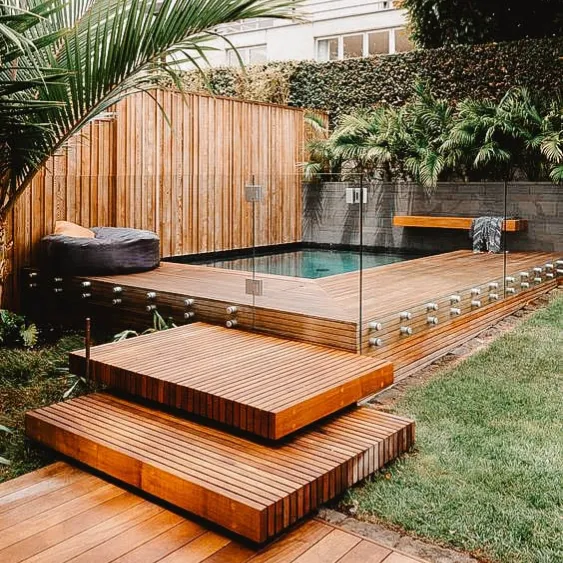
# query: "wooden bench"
510,225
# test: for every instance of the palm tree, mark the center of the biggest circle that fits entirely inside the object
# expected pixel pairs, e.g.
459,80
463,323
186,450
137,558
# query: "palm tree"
549,139
64,63
405,142
428,125
497,137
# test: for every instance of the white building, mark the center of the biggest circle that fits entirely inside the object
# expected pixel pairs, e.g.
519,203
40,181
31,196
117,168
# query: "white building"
333,29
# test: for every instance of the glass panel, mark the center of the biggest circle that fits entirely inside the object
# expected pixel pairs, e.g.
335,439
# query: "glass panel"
429,275
327,49
331,259
402,41
534,242
353,46
378,43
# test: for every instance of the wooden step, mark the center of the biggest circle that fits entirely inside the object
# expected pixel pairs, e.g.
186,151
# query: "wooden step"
252,489
261,384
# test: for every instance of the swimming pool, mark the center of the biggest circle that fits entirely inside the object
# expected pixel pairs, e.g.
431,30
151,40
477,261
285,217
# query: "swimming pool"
302,263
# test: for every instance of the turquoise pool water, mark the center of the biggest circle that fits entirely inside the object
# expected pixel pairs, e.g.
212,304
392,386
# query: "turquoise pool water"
307,263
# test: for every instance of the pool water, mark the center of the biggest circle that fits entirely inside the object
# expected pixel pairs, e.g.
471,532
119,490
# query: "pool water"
307,263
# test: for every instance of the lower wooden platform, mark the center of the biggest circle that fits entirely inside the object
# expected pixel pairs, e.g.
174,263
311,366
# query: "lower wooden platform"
264,385
61,513
254,490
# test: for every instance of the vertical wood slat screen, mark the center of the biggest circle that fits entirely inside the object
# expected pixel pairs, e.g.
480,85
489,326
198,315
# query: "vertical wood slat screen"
180,173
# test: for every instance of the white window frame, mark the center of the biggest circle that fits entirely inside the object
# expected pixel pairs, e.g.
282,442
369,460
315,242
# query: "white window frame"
365,43
242,50
340,49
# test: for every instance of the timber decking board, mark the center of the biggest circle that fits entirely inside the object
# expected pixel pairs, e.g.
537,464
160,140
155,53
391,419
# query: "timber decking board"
386,289
323,311
73,529
509,225
251,489
261,384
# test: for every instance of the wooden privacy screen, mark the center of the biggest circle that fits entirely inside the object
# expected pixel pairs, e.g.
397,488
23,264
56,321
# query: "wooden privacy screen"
183,179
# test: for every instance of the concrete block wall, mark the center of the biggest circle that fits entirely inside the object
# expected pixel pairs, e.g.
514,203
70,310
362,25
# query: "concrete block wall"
328,219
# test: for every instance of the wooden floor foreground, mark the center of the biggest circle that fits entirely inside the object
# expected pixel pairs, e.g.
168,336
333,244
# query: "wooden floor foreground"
61,513
264,385
254,489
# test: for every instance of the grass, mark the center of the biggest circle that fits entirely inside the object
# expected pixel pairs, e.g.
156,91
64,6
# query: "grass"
30,379
487,475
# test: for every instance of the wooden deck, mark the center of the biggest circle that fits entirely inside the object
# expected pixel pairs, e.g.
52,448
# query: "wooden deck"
60,513
264,385
255,490
324,311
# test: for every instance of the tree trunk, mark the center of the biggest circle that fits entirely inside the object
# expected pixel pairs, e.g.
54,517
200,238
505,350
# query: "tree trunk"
5,246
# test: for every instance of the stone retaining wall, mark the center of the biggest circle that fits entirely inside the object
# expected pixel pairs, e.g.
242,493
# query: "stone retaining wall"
328,219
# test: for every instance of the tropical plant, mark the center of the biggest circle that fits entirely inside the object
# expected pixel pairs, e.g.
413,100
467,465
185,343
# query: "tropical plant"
322,161
549,140
430,139
64,63
387,143
500,138
428,125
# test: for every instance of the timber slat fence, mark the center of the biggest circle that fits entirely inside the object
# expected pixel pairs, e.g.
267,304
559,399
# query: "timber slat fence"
180,172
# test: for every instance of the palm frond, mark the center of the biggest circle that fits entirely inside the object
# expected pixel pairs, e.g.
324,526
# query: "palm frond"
94,53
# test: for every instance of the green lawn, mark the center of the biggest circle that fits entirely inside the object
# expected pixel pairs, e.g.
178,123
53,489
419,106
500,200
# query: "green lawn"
487,473
29,379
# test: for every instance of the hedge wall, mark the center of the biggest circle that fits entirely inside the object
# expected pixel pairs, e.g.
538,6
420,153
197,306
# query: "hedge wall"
456,72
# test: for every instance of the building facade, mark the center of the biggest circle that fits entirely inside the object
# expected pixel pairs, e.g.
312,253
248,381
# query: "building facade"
328,30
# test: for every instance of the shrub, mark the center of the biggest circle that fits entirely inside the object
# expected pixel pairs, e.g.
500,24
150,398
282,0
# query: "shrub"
14,331
339,87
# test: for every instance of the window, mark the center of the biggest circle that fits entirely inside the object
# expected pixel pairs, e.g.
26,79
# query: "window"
249,55
327,49
352,46
377,42
402,41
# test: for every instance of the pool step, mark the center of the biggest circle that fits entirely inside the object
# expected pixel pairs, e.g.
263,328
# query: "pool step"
249,488
264,385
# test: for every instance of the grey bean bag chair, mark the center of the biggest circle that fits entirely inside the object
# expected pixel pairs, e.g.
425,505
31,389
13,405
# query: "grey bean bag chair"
112,251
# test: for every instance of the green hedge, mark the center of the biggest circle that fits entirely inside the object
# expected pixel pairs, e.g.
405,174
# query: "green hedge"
480,71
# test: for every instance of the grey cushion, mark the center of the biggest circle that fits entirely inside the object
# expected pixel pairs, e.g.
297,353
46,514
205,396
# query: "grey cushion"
112,251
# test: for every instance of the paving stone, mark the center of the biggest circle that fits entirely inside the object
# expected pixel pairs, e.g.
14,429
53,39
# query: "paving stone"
431,552
332,516
375,532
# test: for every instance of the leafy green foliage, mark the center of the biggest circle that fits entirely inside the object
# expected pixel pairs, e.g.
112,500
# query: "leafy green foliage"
158,324
429,139
14,331
438,23
30,378
487,470
453,73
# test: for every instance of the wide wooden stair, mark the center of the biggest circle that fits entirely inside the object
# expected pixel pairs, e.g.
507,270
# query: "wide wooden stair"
247,431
